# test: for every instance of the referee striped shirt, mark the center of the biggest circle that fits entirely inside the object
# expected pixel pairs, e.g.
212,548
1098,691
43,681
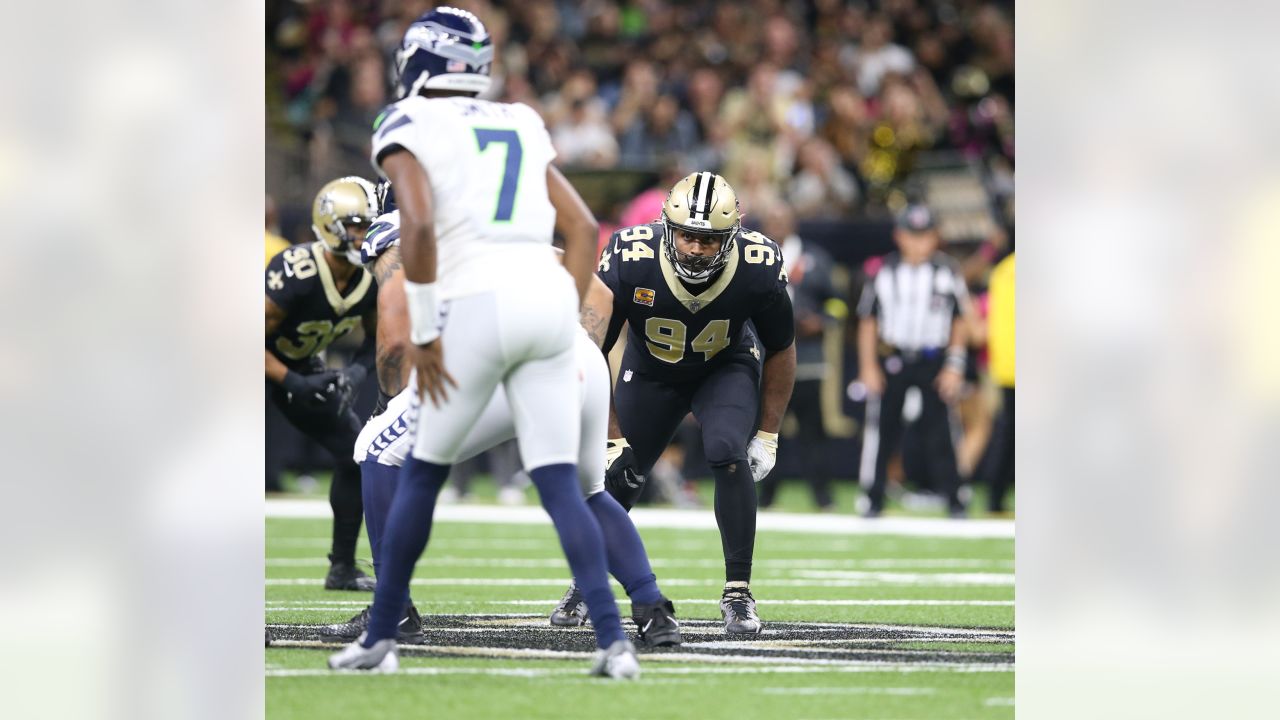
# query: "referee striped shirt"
914,305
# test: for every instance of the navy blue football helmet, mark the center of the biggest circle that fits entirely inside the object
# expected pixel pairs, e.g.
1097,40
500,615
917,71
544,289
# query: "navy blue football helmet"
386,197
445,49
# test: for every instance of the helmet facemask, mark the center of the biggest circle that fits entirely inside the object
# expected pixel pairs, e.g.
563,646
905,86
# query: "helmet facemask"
696,269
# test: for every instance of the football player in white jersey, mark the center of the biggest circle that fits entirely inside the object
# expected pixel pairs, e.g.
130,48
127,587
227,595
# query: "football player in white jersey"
479,200
385,441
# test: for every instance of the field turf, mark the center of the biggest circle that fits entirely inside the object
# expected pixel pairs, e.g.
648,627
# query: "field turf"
857,626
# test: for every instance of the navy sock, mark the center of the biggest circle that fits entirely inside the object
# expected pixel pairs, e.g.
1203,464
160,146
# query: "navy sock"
628,562
403,540
378,486
583,546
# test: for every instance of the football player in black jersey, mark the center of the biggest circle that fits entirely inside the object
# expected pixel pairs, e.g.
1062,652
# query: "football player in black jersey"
316,294
712,331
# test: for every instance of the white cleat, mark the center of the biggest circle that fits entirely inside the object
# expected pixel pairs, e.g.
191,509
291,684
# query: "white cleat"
382,657
618,661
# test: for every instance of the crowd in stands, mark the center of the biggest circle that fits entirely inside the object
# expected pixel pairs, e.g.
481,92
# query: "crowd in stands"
825,105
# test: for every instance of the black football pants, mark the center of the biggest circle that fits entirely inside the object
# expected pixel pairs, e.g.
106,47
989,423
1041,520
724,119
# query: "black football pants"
936,447
337,434
726,403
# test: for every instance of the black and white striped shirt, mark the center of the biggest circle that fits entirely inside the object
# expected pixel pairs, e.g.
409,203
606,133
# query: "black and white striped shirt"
914,305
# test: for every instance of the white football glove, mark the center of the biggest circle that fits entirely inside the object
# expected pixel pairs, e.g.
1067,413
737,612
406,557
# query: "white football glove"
762,453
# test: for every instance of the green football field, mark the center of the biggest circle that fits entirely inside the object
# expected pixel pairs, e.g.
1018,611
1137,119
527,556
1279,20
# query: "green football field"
904,625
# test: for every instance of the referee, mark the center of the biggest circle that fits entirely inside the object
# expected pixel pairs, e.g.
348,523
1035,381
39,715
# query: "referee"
911,333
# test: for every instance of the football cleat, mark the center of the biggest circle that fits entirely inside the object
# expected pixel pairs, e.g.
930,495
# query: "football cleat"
657,624
346,576
382,657
618,661
572,610
408,632
738,609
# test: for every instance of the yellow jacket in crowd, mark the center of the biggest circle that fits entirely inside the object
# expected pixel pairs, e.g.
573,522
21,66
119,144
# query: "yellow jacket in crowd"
1000,323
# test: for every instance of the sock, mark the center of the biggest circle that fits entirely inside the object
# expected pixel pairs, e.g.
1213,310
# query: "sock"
735,506
583,546
377,486
403,540
628,562
344,499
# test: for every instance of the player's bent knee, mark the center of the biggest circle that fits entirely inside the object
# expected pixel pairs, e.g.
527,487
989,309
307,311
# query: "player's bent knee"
722,449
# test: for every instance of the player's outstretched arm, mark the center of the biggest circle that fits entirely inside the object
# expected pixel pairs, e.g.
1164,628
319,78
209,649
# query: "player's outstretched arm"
393,323
597,309
577,226
418,253
779,377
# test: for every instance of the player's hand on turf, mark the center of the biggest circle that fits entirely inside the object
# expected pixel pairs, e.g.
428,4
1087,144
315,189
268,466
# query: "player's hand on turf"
622,473
428,360
873,380
949,383
762,454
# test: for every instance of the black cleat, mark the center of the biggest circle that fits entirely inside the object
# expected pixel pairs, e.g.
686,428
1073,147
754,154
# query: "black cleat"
409,632
657,624
572,610
346,576
738,609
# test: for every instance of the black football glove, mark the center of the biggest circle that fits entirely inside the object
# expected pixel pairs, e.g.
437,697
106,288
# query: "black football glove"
321,392
622,476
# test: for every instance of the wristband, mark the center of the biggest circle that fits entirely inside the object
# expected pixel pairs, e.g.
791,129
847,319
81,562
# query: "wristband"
769,439
424,325
956,360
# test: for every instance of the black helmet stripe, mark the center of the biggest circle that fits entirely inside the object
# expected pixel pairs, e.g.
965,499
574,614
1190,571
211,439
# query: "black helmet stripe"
700,206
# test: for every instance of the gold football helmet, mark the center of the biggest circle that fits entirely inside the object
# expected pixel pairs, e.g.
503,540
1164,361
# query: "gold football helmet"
343,210
702,204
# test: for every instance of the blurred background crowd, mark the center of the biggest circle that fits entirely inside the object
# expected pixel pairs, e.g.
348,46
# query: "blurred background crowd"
827,117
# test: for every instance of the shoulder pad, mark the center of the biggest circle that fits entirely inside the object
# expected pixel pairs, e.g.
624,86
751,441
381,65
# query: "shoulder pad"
632,245
761,256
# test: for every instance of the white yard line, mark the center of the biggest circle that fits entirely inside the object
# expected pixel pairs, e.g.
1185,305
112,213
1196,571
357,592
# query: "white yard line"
333,605
558,563
870,580
693,520
848,690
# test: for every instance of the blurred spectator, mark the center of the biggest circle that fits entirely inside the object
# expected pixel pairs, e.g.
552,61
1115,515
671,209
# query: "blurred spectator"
814,298
274,243
754,118
848,126
820,187
876,56
583,138
664,129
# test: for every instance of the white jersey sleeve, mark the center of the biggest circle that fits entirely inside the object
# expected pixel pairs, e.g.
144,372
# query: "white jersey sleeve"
487,166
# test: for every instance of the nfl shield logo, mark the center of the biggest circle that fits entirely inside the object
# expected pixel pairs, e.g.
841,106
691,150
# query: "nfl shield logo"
694,306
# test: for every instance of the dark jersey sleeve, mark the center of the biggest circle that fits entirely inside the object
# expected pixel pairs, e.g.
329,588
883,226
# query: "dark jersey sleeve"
610,272
775,319
283,281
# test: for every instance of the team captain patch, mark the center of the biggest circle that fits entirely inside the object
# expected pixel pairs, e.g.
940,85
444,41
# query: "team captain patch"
644,296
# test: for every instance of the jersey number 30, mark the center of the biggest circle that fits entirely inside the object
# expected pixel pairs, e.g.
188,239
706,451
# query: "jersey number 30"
510,173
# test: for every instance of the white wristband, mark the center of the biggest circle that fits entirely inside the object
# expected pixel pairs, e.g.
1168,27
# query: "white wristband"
424,312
